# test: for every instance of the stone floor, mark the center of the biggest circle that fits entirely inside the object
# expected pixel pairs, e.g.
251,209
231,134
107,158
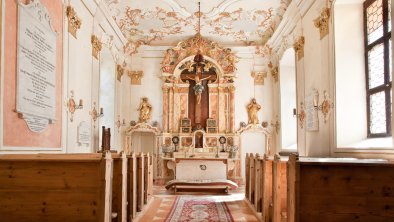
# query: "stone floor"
162,201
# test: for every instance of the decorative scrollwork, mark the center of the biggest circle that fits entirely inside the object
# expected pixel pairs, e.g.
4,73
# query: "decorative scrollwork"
74,22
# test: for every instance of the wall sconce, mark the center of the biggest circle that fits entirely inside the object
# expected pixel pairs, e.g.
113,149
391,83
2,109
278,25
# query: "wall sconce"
276,125
72,106
118,124
326,106
95,115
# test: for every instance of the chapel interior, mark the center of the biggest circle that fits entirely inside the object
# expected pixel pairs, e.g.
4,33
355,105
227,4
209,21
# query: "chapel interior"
196,110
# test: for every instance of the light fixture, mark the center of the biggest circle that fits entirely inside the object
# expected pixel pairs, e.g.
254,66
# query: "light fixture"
199,58
72,105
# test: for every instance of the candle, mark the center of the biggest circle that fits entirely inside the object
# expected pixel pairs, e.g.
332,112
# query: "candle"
81,102
294,112
124,121
101,110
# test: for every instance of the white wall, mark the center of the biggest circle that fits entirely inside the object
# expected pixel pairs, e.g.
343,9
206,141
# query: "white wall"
149,62
107,94
351,115
252,142
143,142
288,102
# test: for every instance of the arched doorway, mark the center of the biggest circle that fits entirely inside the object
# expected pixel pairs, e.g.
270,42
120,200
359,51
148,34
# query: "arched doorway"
145,138
253,139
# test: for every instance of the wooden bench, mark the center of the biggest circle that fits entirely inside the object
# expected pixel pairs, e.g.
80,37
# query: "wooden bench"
131,187
266,186
148,176
279,189
140,181
119,187
328,189
60,187
263,197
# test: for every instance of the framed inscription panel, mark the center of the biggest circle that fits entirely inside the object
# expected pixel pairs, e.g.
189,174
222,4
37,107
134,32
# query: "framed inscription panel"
36,66
311,108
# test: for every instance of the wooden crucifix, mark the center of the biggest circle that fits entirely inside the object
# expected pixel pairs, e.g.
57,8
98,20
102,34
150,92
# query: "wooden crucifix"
198,85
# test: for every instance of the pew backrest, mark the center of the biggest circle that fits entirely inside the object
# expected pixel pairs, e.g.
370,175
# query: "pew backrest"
60,187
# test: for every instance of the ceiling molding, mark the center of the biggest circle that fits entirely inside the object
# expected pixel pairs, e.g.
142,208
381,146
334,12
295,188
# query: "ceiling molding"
178,8
220,8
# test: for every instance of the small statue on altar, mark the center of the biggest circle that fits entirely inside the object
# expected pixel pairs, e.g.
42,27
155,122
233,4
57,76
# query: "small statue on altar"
198,88
253,109
145,110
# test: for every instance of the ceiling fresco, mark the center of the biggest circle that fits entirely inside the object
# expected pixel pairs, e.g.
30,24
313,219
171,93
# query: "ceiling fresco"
166,22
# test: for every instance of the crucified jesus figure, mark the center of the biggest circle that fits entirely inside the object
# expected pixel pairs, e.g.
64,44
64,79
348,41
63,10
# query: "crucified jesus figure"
198,88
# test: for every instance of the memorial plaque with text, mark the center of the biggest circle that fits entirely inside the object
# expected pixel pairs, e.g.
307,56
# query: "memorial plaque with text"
36,66
311,108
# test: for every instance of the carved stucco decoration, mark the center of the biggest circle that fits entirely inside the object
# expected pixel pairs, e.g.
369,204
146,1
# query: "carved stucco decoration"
299,47
223,56
240,24
135,77
74,22
322,22
274,71
301,116
119,72
326,106
259,77
96,46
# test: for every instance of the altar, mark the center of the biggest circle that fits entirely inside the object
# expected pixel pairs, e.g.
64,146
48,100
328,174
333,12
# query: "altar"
198,111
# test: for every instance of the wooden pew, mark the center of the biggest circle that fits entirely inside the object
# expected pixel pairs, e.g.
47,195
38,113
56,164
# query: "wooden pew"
266,189
55,187
279,189
119,187
140,181
247,176
251,179
131,187
328,189
259,184
148,176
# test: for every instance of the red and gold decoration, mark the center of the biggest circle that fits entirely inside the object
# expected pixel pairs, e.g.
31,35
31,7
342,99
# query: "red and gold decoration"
135,77
95,114
73,106
96,46
299,47
74,22
326,106
199,209
322,22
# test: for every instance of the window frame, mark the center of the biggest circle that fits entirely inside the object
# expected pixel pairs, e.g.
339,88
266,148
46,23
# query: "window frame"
386,86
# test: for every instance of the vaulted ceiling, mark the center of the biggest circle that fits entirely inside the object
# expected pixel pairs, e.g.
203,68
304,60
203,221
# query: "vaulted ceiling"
166,22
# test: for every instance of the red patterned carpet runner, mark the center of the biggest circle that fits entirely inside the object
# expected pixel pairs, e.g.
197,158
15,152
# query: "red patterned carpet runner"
201,209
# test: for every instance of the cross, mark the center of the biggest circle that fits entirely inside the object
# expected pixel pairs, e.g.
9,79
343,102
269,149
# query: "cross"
192,76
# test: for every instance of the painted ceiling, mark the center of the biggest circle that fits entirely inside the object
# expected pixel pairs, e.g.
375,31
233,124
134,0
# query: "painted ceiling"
166,22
